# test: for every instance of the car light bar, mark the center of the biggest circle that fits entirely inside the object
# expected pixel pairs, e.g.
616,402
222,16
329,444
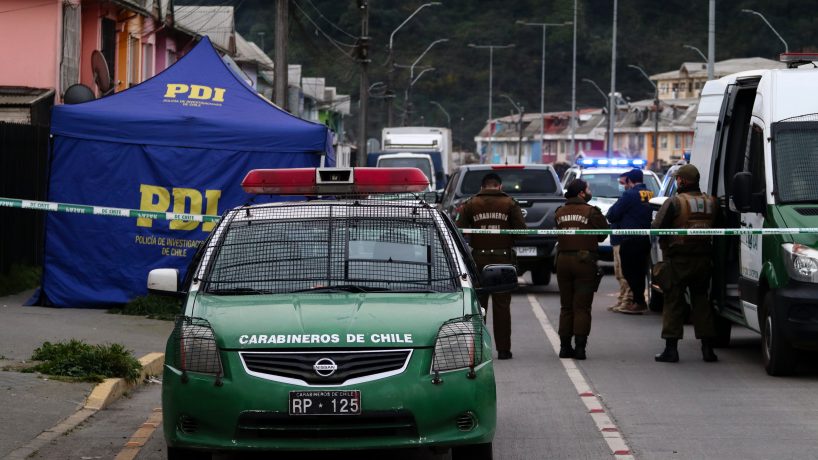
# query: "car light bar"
796,59
334,181
595,162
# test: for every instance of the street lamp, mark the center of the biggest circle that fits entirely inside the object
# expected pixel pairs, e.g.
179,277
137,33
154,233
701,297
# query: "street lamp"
786,48
542,74
389,60
412,67
519,127
448,118
604,96
491,77
656,106
691,47
406,94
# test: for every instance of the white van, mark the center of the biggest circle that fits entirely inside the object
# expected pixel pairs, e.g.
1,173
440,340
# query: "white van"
756,147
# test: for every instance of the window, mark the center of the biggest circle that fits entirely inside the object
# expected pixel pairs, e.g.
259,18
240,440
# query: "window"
754,162
677,141
515,181
133,61
108,36
171,58
795,153
147,61
663,141
70,59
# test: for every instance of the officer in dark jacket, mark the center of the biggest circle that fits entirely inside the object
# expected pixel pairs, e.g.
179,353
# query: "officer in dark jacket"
493,209
632,211
576,267
688,264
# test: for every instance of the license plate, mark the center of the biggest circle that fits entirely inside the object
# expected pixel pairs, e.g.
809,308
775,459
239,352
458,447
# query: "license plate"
526,251
325,402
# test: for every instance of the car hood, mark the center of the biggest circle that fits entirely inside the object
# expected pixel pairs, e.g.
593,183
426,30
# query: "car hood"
799,216
603,203
383,320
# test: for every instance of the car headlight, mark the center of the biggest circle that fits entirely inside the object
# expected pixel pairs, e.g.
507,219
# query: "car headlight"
196,349
801,262
459,344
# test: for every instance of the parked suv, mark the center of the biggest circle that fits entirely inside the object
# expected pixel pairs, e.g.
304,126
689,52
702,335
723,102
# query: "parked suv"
536,188
335,323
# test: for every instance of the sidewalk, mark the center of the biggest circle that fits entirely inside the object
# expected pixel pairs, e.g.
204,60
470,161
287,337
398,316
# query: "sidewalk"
32,403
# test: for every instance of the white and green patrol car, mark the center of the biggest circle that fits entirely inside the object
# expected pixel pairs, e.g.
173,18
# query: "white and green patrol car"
334,323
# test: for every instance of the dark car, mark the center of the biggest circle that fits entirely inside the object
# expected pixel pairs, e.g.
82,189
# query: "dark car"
537,189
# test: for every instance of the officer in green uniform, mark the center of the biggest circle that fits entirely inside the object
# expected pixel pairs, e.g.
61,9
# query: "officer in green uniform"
490,208
688,265
576,267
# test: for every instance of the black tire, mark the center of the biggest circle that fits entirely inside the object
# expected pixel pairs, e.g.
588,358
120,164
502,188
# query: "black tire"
723,329
473,452
177,453
778,354
541,276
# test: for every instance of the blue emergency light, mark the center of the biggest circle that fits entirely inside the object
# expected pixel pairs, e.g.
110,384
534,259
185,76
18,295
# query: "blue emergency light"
596,162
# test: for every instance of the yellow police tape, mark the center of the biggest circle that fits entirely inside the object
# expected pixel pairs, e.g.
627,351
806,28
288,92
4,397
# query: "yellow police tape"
123,212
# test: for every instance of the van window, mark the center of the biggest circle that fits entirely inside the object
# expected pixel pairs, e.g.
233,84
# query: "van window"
755,159
795,155
515,181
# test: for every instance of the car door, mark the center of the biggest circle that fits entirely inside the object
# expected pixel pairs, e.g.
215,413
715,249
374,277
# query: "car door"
750,249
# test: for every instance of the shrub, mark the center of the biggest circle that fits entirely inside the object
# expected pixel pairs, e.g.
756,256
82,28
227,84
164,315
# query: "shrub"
81,361
19,278
151,306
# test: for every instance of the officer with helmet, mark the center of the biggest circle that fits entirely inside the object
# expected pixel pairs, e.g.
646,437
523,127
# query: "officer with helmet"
688,264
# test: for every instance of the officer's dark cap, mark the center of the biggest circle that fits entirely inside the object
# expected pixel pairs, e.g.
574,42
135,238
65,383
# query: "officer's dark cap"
491,177
576,186
634,175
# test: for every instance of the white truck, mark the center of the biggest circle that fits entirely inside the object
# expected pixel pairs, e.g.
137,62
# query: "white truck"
433,141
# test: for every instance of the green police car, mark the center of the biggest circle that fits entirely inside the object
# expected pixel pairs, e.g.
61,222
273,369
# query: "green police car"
347,321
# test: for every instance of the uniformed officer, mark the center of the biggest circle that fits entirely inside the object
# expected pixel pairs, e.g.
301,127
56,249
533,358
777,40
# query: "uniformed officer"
688,264
577,268
490,208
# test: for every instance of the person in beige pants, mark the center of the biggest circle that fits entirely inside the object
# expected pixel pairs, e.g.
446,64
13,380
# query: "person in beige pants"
625,295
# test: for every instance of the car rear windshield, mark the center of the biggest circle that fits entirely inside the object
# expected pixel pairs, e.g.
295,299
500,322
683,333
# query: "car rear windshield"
347,247
795,151
421,163
515,181
606,184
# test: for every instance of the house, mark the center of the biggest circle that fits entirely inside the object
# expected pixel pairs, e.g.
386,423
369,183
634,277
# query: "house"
687,82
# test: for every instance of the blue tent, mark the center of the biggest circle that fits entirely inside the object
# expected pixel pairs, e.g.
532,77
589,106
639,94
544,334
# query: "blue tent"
179,142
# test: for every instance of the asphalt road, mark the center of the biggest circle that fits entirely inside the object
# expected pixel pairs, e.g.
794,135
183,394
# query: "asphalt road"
689,410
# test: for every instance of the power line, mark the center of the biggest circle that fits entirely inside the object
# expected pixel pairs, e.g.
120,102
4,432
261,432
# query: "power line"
334,26
334,42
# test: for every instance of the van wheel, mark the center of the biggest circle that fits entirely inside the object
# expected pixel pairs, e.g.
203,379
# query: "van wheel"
779,356
472,452
177,453
723,329
541,276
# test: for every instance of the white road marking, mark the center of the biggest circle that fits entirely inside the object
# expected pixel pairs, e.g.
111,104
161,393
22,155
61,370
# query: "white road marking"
607,428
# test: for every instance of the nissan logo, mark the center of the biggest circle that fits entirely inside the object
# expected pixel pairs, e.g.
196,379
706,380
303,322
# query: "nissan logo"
325,367
525,212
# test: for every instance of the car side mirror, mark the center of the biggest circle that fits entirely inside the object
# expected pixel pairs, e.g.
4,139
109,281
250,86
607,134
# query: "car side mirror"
741,190
164,281
498,278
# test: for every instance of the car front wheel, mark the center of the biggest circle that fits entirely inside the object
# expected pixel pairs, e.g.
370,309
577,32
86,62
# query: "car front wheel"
779,357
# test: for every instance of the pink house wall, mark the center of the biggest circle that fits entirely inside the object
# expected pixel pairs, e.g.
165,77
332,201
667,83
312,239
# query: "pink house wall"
30,34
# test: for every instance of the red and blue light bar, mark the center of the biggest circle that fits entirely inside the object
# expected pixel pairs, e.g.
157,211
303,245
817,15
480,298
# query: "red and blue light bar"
334,181
611,162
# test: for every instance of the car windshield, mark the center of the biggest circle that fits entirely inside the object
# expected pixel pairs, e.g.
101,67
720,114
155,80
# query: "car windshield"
422,163
515,181
331,247
795,147
606,184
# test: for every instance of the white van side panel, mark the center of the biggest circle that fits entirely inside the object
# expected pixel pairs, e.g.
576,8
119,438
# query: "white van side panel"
787,93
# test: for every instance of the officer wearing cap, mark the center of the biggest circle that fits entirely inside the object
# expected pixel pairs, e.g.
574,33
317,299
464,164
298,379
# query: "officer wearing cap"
491,208
688,264
632,211
577,267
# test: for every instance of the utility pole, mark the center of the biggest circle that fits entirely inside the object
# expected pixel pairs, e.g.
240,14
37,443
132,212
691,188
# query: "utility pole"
282,27
363,58
711,41
572,121
491,49
612,96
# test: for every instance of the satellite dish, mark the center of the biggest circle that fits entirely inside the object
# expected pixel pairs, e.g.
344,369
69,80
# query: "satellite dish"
77,94
102,77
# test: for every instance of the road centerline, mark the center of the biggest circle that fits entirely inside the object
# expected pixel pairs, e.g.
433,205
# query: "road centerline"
607,428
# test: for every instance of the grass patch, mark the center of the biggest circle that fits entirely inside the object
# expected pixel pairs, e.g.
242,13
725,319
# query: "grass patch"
20,278
90,363
151,306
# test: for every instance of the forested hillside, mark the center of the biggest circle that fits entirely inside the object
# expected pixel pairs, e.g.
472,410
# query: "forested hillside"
650,33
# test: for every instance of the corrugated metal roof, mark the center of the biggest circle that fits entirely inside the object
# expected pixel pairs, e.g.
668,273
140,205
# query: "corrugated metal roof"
22,96
313,87
214,21
250,52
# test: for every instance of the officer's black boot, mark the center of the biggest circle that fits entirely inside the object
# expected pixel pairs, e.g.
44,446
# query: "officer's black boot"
566,350
670,354
707,351
579,351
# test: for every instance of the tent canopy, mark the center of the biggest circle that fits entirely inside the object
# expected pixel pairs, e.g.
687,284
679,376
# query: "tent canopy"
197,102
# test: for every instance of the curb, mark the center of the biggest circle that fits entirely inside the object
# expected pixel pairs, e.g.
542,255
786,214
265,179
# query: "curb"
102,396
